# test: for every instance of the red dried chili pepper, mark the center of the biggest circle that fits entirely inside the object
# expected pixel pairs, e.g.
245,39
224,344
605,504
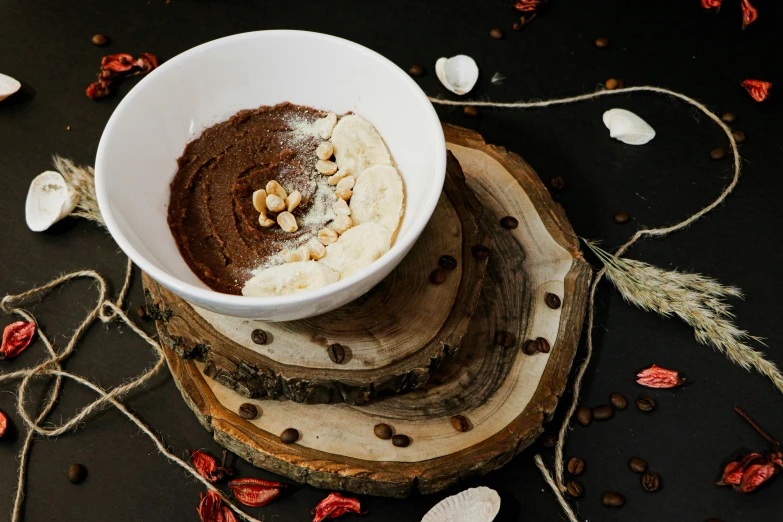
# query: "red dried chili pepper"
657,377
335,505
756,475
207,467
711,4
211,509
758,89
3,423
528,5
255,492
122,62
749,13
16,337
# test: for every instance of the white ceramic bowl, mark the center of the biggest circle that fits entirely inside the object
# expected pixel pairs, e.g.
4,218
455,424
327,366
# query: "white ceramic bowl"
137,154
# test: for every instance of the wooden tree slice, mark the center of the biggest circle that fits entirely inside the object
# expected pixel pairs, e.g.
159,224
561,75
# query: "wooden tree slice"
393,337
504,394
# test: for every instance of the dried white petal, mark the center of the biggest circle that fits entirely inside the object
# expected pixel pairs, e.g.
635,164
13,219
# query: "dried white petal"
458,73
472,505
8,86
49,200
627,127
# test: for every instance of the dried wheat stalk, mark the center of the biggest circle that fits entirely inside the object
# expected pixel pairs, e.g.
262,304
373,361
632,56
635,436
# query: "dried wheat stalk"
82,179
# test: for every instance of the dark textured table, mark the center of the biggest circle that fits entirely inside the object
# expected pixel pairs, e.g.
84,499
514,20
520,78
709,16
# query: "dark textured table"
673,44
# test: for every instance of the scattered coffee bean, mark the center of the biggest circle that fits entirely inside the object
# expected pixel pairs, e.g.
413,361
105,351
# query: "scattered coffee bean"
645,403
438,276
728,117
471,110
552,301
460,423
576,466
416,70
289,436
248,411
557,183
718,153
530,347
496,33
549,440
618,401
574,489
447,262
383,431
739,136
543,345
509,222
603,412
505,339
479,251
584,415
141,311
651,482
77,473
602,42
401,441
612,499
637,464
259,336
336,353
621,218
100,40
611,84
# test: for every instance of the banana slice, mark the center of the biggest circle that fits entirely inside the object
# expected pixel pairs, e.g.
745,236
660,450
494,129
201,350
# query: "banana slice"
378,198
289,278
357,248
357,145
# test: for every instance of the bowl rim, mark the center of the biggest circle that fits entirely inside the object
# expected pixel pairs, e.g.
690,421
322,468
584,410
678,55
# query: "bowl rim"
246,302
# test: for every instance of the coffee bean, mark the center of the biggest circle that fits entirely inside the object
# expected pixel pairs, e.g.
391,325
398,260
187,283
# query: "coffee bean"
612,499
638,465
728,117
416,70
602,42
584,415
460,423
141,311
248,411
574,489
383,431
496,33
77,473
530,347
100,40
603,412
718,153
479,251
336,353
611,84
552,301
739,136
621,218
505,339
645,403
651,482
289,436
259,336
576,466
470,110
557,183
447,262
549,440
509,222
618,401
401,441
543,345
438,276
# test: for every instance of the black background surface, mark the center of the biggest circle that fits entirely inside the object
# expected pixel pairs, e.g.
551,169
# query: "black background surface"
673,44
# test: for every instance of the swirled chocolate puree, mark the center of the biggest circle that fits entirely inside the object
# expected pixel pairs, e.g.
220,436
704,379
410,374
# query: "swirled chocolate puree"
211,213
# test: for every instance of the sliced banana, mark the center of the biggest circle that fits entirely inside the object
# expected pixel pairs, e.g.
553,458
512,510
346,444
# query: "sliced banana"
289,278
378,197
357,145
357,248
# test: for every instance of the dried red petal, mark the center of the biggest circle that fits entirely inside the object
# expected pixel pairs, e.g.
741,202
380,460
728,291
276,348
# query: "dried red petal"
336,505
758,89
732,474
211,509
255,492
528,5
207,467
749,13
3,423
711,4
147,62
657,377
98,89
118,62
756,475
16,337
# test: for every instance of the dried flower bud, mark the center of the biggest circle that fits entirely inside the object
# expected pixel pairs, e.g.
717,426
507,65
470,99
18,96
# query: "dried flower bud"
657,377
211,509
334,506
711,4
16,337
207,467
757,89
749,13
255,492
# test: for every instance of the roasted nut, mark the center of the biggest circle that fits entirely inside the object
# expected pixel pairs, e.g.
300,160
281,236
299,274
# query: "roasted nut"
265,221
335,179
341,208
291,256
343,193
346,183
259,201
317,249
275,203
273,187
324,150
341,223
326,167
327,236
325,125
287,222
293,200
304,252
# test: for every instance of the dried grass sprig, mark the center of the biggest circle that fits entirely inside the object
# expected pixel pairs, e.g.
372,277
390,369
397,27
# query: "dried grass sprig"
82,179
698,300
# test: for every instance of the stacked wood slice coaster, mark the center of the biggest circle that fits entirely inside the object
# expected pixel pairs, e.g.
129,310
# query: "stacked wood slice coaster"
445,370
